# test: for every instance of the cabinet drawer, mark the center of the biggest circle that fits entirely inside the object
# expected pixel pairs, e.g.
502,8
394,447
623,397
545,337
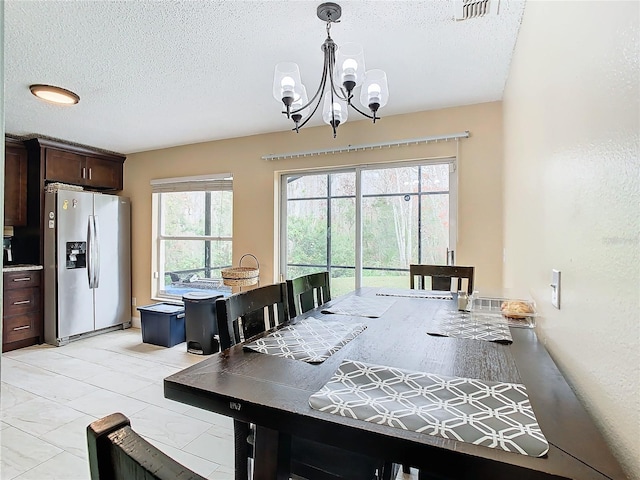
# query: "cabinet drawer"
21,279
19,327
21,301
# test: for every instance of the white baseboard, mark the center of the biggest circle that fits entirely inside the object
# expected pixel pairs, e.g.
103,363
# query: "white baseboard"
135,322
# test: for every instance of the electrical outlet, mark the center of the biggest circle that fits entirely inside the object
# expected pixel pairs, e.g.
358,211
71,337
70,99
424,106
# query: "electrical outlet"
555,288
133,301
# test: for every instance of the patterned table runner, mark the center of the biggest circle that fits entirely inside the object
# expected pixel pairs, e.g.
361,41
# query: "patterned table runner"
454,323
404,292
311,340
371,307
492,414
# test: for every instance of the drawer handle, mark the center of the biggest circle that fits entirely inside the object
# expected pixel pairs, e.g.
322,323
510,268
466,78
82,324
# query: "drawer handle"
21,328
23,279
22,302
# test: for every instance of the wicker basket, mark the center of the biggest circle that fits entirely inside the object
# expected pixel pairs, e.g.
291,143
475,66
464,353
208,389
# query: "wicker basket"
241,276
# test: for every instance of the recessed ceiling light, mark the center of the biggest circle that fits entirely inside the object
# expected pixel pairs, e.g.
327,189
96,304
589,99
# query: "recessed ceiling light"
57,95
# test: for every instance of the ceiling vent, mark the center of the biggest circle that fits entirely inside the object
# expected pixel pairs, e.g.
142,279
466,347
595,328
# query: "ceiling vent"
467,9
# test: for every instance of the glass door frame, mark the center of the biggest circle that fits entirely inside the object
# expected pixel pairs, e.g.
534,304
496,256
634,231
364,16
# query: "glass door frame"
284,175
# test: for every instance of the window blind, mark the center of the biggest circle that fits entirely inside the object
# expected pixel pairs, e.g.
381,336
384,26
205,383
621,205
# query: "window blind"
202,183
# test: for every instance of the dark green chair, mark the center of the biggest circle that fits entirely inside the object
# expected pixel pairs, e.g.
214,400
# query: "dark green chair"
242,316
308,292
116,452
441,277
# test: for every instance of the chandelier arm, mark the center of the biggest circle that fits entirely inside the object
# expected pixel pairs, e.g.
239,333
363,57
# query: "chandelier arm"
373,117
319,91
314,110
332,63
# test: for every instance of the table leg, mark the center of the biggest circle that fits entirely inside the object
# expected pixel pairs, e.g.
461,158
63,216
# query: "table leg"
272,455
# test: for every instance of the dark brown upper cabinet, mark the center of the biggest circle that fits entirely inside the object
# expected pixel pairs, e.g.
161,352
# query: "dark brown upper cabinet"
88,169
15,183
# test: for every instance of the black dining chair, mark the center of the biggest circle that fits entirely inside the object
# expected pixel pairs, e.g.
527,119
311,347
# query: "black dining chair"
308,292
116,452
242,316
441,277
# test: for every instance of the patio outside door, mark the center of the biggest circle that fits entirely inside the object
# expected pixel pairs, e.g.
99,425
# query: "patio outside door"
366,225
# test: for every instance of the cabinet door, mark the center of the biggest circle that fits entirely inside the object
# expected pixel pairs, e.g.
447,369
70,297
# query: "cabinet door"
103,174
15,186
64,167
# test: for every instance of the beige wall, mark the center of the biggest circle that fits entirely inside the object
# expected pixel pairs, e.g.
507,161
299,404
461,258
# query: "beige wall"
571,196
255,193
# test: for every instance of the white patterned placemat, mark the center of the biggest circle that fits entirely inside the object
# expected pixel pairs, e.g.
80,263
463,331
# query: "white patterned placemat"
405,292
492,414
311,340
371,307
457,324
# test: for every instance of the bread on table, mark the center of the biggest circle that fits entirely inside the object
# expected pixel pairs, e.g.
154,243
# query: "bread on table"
516,308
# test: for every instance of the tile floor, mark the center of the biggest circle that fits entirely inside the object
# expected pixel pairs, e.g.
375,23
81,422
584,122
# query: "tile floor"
50,394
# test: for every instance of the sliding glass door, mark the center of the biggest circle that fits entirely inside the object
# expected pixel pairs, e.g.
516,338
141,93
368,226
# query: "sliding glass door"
365,225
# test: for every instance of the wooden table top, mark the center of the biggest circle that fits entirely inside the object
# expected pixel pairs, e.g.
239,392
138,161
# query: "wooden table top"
274,392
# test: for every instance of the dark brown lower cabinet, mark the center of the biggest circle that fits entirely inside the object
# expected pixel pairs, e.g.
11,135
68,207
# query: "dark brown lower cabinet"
22,314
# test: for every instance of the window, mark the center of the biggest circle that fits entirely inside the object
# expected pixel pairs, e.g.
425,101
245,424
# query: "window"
366,225
193,235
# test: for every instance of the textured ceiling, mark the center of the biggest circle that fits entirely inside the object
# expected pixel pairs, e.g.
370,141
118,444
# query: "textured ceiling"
154,74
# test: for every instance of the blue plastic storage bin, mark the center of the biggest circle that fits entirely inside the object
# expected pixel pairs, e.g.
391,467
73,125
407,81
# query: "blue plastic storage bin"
162,324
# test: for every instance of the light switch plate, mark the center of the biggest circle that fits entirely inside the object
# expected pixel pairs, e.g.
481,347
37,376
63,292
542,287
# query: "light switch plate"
555,288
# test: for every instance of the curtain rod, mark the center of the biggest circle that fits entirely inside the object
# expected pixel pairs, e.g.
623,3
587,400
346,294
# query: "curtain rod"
369,146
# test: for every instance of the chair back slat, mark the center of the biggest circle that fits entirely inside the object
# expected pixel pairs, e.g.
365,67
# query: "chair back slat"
116,452
443,277
242,316
308,292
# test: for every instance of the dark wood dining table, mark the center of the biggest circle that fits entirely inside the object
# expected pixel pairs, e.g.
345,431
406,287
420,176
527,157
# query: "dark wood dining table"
273,393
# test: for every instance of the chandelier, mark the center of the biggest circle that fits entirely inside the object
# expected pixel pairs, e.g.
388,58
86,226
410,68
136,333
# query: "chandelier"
343,72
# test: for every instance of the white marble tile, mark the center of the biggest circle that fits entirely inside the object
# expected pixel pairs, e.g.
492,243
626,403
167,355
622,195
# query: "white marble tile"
103,402
214,418
120,361
41,382
24,351
119,382
62,364
39,416
223,472
11,396
171,428
21,452
63,466
196,464
212,448
159,372
71,437
154,394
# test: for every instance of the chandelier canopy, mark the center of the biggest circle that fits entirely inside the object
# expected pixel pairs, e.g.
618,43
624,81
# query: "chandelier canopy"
343,72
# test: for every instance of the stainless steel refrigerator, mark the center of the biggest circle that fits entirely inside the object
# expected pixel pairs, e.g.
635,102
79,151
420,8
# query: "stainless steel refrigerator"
87,271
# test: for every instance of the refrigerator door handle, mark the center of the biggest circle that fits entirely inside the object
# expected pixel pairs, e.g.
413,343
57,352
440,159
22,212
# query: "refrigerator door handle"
89,250
96,264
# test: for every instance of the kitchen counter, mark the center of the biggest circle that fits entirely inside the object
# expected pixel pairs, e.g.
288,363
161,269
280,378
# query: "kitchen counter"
20,268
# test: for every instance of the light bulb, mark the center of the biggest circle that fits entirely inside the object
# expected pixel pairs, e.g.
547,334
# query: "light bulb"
337,111
374,90
349,66
287,83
